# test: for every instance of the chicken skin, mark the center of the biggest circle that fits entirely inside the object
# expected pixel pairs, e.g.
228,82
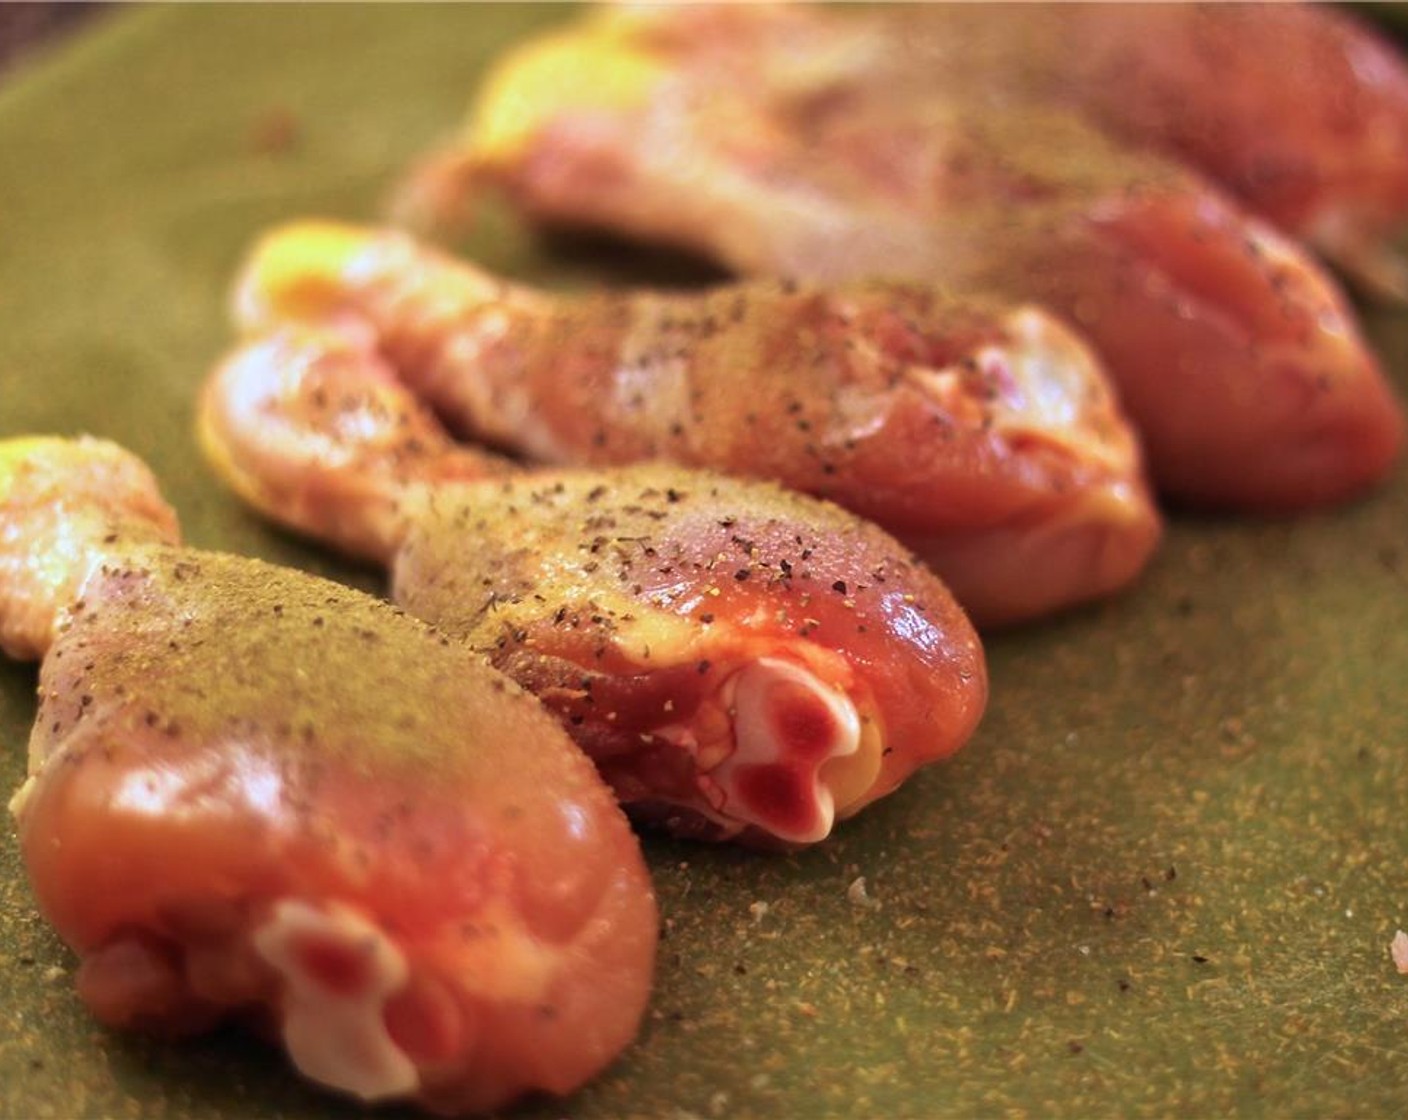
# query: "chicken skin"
259,794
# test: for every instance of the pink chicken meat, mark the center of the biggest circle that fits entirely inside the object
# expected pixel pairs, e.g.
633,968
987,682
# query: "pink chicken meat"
1237,358
983,436
1299,110
255,793
741,662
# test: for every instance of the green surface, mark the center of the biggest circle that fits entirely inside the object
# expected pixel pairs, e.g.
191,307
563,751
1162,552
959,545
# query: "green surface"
1161,881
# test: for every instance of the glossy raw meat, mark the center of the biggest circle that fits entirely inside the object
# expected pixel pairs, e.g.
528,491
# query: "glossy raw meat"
1297,109
1236,357
740,661
95,492
984,437
257,793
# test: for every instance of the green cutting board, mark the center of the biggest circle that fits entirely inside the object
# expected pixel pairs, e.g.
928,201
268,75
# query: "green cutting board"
1162,880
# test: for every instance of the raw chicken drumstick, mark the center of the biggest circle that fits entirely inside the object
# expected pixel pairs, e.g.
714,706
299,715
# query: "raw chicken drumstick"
984,438
1236,357
739,661
257,793
1299,110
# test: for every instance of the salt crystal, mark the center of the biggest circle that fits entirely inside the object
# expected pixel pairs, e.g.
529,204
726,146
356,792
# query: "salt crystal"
857,895
1398,950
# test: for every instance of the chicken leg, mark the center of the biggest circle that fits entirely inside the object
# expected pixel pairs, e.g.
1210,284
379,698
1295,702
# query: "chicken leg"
256,793
740,661
1299,110
984,437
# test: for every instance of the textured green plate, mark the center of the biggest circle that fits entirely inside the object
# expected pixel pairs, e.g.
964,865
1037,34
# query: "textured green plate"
1161,881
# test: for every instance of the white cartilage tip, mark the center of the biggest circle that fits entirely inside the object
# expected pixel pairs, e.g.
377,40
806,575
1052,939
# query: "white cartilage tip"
769,698
339,970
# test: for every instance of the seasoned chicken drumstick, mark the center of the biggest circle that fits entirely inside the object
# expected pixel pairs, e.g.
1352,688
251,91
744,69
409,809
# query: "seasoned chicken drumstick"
985,438
738,660
1236,357
1299,110
256,793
